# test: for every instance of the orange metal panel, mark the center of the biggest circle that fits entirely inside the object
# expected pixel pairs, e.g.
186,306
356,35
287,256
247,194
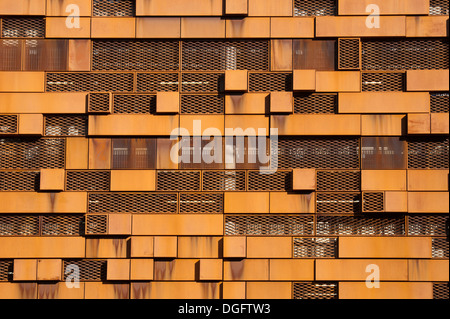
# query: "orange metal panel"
382,125
246,122
387,7
32,202
43,103
141,269
428,202
292,27
247,202
14,290
179,8
248,103
176,269
113,27
269,290
52,179
303,179
100,290
156,27
49,269
118,269
25,269
99,153
384,247
285,203
119,224
79,55
199,247
396,202
439,123
428,180
248,28
59,290
167,102
236,80
304,80
291,269
57,28
387,290
270,8
163,148
202,27
77,150
133,180
22,82
433,26
427,80
235,247
281,102
281,55
22,7
269,247
207,121
357,269
236,7
165,246
31,124
246,269
58,7
356,27
106,248
428,270
211,269
233,290
175,290
42,247
338,81
384,102
389,180
141,246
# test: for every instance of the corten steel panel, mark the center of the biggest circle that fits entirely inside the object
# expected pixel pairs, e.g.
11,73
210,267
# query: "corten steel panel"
49,269
269,290
32,202
303,179
100,290
291,269
167,102
187,225
387,7
141,246
133,180
57,28
118,269
59,8
59,290
99,153
248,28
31,124
427,80
247,123
77,150
119,224
79,55
163,150
113,27
236,80
383,125
270,8
434,26
384,102
428,270
281,102
396,202
317,124
179,8
14,290
439,123
292,27
246,269
236,7
141,269
356,27
285,203
22,82
43,103
51,179
25,269
165,246
269,247
155,28
384,247
338,81
106,247
304,80
175,269
22,7
175,290
233,290
211,269
248,103
200,247
428,202
234,247
206,121
281,55
312,54
428,180
42,247
388,180
358,269
387,290
202,28
247,202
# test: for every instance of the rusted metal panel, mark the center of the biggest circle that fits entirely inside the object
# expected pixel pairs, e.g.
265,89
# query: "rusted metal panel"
388,180
141,246
434,26
175,269
235,247
31,124
316,55
202,27
49,269
387,290
119,224
106,248
13,290
21,82
428,202
248,28
43,103
175,290
200,247
211,269
292,27
42,247
100,290
285,203
179,8
248,202
113,27
303,179
165,246
233,290
188,225
386,7
60,291
383,153
32,202
158,27
246,269
52,179
269,247
118,269
428,270
427,80
269,290
99,153
22,7
428,180
141,269
291,269
25,269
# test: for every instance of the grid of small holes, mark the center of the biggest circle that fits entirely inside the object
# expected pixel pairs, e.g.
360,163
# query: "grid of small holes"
96,224
19,225
427,225
62,225
338,203
130,55
157,82
440,290
278,181
405,54
19,181
279,225
8,124
134,104
201,203
382,82
270,82
318,247
6,269
89,82
373,202
315,8
225,55
98,102
113,8
317,153
439,247
32,153
202,82
202,104
349,57
439,102
23,27
360,225
223,180
337,181
66,125
89,269
87,180
315,290
132,203
315,103
178,181
428,153
439,7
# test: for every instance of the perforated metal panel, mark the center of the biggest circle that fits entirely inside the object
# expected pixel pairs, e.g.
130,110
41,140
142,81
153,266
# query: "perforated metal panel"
225,55
428,152
439,102
315,8
360,225
65,125
338,203
269,82
373,202
23,27
318,247
439,247
440,290
132,203
96,224
178,181
89,82
383,152
19,225
117,8
202,104
315,103
87,180
405,54
202,82
10,55
315,290
89,269
134,104
349,54
45,55
270,225
157,82
338,181
223,180
278,181
427,225
383,82
19,181
32,153
439,7
135,55
6,269
201,203
62,225
99,102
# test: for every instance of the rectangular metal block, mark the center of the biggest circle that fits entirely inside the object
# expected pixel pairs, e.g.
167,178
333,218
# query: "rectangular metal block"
338,81
432,26
281,55
386,180
270,8
25,269
141,246
166,160
439,123
428,202
246,202
52,179
79,56
248,103
281,102
61,28
179,8
175,269
291,269
236,80
387,290
428,270
396,202
49,269
202,27
246,269
60,290
234,247
141,269
298,27
383,125
77,153
303,179
269,290
15,290
62,8
248,28
31,124
199,247
269,247
428,179
118,269
158,27
233,290
206,121
427,80
211,269
286,203
175,290
54,103
22,82
100,290
133,180
165,246
113,27
236,7
304,80
99,153
248,123
167,102
42,247
119,224
386,7
106,248
33,202
22,7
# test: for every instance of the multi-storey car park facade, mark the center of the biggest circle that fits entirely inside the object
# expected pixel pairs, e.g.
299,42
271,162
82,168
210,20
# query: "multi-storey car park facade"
96,94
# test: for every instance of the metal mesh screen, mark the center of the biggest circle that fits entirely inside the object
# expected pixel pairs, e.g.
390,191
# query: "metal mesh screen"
269,82
440,290
278,181
65,125
439,7
134,104
118,8
19,225
96,225
315,290
201,203
89,82
373,202
8,124
202,104
315,103
132,203
87,180
23,27
338,181
89,269
157,82
338,203
428,152
223,180
202,82
19,181
6,269
99,102
178,181
349,54
382,82
439,102
315,8
427,225
62,225
439,247
318,247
